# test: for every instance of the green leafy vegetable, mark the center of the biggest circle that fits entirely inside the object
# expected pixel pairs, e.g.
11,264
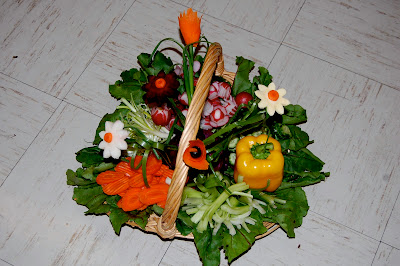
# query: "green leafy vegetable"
294,114
242,82
117,218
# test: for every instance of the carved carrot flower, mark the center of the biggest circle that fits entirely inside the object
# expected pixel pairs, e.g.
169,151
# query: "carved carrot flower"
195,155
189,25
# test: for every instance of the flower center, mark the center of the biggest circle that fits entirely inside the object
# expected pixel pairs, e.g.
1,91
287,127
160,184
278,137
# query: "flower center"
273,95
160,83
108,137
195,152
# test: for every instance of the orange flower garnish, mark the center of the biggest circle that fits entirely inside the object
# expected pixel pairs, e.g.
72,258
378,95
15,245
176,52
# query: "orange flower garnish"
195,155
189,25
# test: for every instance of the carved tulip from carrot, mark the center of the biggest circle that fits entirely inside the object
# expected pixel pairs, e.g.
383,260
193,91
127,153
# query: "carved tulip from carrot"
189,24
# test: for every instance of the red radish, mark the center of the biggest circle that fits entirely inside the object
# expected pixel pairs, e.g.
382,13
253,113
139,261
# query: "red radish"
243,98
218,117
183,99
161,115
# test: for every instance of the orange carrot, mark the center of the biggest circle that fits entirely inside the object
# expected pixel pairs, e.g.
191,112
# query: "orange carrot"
116,187
125,167
168,173
131,201
154,194
108,177
189,25
137,180
195,155
152,166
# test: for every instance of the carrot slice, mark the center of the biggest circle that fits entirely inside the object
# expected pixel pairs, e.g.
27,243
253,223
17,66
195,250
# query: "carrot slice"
137,180
116,187
154,194
131,201
125,167
152,166
108,177
168,173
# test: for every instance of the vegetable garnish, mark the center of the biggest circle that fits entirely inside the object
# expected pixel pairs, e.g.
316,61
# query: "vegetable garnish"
160,87
189,25
252,171
129,183
271,99
259,162
195,155
113,139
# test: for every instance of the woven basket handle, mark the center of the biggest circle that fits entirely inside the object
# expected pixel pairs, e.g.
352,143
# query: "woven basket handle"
213,63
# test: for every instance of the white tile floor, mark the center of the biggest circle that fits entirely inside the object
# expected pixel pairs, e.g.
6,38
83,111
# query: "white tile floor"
338,59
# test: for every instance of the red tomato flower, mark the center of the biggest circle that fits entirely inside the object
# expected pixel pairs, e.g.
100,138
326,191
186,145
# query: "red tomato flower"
160,87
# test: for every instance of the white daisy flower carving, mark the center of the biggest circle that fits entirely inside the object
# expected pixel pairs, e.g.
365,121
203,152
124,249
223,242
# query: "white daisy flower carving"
271,99
113,139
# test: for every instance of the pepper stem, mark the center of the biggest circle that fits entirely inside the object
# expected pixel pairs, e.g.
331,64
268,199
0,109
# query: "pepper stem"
261,151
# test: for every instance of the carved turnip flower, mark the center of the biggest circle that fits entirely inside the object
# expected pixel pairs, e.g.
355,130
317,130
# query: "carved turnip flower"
113,139
271,99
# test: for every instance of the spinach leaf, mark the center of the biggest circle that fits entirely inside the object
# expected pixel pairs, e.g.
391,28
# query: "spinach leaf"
242,82
294,114
83,196
291,137
89,156
242,241
162,63
264,78
301,179
289,215
117,218
209,246
128,90
301,161
184,224
74,179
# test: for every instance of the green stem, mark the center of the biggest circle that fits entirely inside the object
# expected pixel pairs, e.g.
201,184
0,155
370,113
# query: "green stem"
163,40
185,75
191,84
252,120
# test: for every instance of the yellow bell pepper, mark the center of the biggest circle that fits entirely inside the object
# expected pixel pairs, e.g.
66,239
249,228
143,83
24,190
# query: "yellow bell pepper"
259,160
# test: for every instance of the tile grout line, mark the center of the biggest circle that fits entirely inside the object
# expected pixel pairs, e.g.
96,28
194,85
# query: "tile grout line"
61,100
165,253
387,222
282,43
6,262
33,140
101,46
348,227
354,230
284,37
341,67
29,85
233,25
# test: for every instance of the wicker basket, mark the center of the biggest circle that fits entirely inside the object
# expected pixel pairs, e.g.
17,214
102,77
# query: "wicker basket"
164,226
